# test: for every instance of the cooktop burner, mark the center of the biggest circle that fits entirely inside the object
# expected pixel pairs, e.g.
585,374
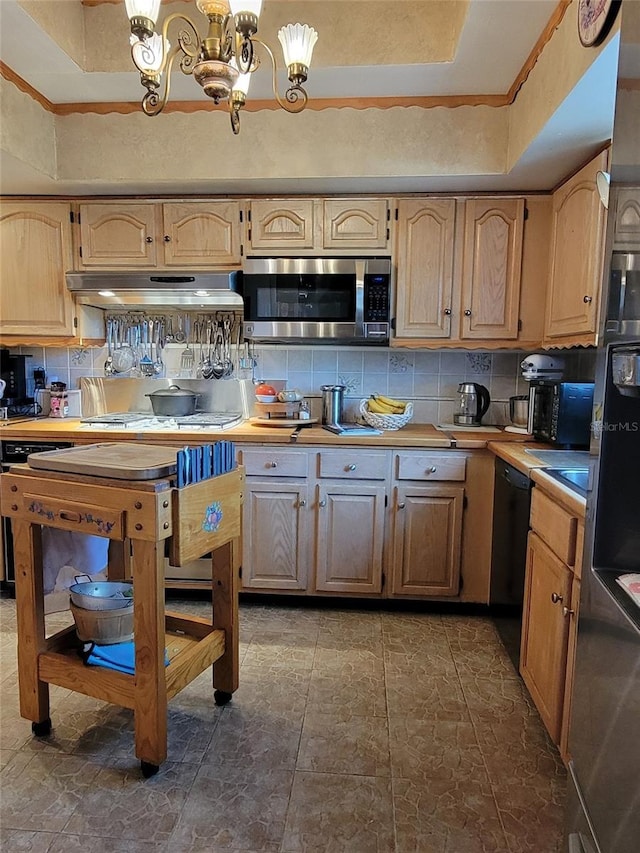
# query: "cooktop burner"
147,422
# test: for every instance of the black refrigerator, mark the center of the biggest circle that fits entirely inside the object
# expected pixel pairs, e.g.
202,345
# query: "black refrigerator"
603,808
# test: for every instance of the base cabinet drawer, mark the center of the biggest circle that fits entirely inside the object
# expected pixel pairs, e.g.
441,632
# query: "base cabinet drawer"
430,466
554,525
264,462
353,464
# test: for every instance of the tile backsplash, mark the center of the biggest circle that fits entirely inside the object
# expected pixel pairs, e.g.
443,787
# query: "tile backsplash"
429,378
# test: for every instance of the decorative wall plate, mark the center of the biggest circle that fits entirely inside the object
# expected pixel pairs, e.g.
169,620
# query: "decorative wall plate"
595,19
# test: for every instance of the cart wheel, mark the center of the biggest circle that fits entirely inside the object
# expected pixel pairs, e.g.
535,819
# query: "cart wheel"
41,729
148,769
220,697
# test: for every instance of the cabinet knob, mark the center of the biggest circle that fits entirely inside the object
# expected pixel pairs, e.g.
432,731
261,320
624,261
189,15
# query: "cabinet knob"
302,502
467,312
272,465
323,502
587,299
556,598
149,239
566,611
401,506
167,239
447,311
351,467
431,470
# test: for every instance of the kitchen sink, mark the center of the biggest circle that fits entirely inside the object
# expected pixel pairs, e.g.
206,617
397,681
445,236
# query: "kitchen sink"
575,478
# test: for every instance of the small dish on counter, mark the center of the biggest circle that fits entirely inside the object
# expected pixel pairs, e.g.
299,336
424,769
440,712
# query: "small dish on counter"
267,398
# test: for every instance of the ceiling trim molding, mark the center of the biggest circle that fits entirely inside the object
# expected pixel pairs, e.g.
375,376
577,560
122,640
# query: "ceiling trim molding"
318,104
10,75
545,36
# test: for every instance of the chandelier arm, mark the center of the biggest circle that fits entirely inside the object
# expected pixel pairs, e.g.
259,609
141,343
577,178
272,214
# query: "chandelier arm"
152,103
185,37
295,98
234,115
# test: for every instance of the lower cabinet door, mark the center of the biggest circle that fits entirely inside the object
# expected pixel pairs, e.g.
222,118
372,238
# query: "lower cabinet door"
545,631
349,538
427,539
275,539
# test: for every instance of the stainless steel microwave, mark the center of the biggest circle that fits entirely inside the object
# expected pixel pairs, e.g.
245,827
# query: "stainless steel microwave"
317,300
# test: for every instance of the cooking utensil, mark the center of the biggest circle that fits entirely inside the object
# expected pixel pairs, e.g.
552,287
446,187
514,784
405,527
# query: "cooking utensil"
146,363
187,358
108,365
173,401
123,355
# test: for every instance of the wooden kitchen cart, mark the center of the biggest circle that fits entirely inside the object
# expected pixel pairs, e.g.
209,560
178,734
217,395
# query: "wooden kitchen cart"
138,517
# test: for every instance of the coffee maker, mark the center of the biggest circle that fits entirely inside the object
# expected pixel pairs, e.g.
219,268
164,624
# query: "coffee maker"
13,372
473,404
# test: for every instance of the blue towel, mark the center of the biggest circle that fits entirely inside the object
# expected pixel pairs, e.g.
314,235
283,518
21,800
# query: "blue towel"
119,656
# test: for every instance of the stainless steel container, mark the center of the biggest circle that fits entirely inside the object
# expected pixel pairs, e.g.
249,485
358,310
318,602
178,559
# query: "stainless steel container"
519,410
332,404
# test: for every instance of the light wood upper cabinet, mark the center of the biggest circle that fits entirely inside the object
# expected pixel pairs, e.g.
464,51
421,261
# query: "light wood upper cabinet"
356,223
281,224
318,226
36,253
187,234
491,268
459,270
425,249
627,222
577,246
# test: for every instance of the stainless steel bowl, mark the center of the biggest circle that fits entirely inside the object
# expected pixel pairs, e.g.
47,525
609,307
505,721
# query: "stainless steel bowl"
106,595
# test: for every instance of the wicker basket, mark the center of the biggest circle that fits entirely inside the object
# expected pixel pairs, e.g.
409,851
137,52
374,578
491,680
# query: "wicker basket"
103,626
386,422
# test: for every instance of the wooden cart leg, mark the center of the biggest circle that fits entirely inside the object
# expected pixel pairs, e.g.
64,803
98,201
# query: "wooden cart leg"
34,694
225,569
150,692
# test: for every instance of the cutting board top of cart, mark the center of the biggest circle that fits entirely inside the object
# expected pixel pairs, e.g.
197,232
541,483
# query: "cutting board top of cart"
118,460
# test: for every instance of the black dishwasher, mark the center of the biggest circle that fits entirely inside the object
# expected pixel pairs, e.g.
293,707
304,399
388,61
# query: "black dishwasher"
512,500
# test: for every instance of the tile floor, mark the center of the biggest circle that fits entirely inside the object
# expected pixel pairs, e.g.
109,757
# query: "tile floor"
353,730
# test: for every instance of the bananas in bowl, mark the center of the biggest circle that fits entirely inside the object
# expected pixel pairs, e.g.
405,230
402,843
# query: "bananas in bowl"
386,413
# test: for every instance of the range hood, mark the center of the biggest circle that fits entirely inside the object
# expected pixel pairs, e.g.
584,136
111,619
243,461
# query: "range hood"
163,289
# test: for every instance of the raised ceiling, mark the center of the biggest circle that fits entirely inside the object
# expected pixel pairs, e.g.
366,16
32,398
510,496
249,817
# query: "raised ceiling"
371,54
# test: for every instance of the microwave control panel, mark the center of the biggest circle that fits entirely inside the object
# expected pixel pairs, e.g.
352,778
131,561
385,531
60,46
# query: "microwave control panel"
376,299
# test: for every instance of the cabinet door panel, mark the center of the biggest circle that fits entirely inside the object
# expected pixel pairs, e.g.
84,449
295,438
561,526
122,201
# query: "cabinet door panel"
627,227
36,253
275,541
543,654
201,233
427,540
576,255
355,224
349,538
118,235
425,268
492,268
282,224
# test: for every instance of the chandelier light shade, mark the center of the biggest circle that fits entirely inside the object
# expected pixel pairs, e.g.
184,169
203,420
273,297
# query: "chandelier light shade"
222,61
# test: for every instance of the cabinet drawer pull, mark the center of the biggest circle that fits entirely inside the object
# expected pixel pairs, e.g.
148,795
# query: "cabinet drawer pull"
65,515
302,502
271,465
566,611
322,502
557,599
167,239
587,299
431,470
351,467
467,313
149,239
447,311
401,506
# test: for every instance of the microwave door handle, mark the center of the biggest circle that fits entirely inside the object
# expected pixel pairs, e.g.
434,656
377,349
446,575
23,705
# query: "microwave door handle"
359,318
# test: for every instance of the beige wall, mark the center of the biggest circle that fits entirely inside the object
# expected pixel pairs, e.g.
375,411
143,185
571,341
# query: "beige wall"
27,132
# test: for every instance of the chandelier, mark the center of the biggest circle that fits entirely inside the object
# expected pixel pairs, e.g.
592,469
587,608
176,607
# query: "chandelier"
223,61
